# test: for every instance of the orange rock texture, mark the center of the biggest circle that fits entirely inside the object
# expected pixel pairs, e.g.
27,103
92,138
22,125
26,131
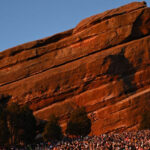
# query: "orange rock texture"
102,64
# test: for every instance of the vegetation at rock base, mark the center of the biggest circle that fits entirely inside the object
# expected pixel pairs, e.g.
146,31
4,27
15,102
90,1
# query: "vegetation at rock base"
27,125
17,124
52,130
79,124
13,122
145,123
4,132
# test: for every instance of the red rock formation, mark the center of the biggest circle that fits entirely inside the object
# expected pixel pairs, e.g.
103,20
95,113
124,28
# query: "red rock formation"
102,64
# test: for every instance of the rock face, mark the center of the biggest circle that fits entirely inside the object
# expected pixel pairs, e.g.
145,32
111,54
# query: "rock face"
102,64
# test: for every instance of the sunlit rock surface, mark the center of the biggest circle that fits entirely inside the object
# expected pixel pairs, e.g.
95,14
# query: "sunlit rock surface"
102,64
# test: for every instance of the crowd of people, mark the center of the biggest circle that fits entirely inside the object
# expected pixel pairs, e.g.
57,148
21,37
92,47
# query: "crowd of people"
111,141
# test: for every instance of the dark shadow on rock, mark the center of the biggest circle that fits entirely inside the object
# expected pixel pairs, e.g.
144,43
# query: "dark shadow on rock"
4,99
120,66
141,27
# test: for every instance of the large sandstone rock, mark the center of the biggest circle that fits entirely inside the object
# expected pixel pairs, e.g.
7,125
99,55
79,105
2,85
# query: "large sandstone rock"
102,64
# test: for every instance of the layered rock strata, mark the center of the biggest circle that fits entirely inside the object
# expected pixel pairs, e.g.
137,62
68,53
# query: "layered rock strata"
102,64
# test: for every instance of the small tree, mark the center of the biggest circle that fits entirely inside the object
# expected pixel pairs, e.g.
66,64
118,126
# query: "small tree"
21,124
4,132
145,123
79,124
27,125
12,120
52,130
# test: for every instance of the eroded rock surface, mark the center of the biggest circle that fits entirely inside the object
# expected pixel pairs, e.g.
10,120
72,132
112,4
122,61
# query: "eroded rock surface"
102,64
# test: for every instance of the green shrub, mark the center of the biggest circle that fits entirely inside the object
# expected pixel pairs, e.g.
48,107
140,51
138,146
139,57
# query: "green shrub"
79,124
21,124
4,132
145,123
52,130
